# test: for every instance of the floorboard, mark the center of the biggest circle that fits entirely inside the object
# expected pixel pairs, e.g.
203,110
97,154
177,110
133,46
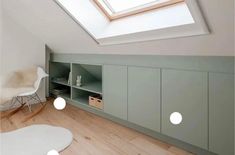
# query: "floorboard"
93,135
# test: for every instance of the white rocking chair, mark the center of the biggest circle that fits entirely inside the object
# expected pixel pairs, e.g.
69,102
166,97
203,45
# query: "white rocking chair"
32,93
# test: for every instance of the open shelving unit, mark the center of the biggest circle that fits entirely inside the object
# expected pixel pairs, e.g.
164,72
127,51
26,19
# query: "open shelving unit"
59,74
91,81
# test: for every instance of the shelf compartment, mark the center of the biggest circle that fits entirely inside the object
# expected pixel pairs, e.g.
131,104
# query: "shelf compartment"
82,96
82,100
95,87
59,72
60,90
91,77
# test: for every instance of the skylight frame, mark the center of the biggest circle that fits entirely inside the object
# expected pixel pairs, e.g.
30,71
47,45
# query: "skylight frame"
112,15
97,25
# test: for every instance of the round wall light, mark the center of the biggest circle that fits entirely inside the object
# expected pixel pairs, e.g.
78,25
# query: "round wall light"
59,103
176,118
53,152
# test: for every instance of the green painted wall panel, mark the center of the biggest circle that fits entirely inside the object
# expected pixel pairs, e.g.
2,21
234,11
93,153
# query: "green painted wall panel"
144,107
115,90
221,111
185,92
184,89
223,64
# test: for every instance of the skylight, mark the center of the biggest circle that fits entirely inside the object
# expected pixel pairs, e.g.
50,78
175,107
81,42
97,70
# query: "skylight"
115,9
179,19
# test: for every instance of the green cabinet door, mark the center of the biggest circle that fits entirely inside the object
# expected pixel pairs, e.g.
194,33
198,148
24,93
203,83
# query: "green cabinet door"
115,90
221,113
144,97
186,92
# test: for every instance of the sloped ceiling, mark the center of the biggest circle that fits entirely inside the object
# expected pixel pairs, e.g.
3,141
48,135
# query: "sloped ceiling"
46,20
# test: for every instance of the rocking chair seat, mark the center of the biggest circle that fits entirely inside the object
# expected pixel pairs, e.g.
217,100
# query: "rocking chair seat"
7,93
27,91
19,90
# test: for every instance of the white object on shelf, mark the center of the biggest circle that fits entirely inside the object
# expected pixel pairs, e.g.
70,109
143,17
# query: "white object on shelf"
79,80
70,77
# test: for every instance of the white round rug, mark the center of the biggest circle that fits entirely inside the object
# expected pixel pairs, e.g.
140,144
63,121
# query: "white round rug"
35,140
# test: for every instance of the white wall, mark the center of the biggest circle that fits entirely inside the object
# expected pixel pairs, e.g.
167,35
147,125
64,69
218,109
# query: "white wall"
0,41
49,22
20,49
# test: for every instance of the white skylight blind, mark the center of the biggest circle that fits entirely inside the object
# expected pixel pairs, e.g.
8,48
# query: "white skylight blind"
122,5
115,9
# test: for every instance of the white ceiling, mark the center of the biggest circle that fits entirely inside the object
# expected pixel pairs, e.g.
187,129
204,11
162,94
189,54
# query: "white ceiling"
46,20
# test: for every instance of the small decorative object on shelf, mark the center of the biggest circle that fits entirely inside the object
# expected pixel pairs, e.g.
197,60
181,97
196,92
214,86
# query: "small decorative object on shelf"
79,80
96,101
70,78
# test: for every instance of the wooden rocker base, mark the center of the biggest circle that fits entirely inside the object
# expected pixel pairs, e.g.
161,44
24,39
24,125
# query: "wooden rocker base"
8,115
34,113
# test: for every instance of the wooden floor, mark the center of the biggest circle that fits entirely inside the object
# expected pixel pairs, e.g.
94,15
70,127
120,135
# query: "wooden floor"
93,135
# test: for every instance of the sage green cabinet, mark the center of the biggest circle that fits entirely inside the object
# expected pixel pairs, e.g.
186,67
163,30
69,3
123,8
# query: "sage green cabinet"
115,90
221,113
186,92
144,107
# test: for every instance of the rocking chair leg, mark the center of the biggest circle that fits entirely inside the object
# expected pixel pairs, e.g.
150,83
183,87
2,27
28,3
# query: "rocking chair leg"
36,98
39,99
8,115
34,113
13,102
29,107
